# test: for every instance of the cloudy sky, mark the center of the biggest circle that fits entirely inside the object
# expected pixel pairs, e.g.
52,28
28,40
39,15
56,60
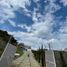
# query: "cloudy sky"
35,22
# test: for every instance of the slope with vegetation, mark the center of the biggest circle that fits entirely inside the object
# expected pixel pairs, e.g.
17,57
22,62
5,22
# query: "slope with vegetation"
4,38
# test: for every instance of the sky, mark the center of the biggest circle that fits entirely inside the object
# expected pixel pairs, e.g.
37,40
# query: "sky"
36,22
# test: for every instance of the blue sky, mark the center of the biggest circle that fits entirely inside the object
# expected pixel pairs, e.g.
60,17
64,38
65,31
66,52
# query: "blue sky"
35,22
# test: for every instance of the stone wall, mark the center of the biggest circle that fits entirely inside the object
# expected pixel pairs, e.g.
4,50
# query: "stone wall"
61,58
7,56
49,58
65,57
58,59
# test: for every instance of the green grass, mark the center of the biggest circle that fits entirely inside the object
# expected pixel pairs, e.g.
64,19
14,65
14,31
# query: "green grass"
19,50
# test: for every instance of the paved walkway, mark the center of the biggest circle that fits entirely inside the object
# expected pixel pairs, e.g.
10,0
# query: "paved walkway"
27,60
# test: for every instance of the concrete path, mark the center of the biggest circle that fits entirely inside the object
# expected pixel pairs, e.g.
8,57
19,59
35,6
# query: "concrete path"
50,59
27,60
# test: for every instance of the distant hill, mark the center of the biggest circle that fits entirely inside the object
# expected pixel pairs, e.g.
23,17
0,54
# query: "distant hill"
4,38
65,49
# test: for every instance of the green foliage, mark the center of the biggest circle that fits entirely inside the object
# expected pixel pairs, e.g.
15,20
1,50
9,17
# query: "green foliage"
19,50
40,56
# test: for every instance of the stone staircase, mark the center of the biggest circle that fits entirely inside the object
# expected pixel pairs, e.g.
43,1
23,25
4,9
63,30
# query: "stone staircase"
27,60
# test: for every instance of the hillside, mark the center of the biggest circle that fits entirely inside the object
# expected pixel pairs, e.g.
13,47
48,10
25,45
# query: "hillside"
4,38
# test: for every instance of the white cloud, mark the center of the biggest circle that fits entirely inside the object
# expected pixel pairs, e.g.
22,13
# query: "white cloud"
36,1
52,7
61,38
64,29
64,2
63,34
7,12
18,3
31,40
28,39
24,26
12,23
38,31
41,28
44,28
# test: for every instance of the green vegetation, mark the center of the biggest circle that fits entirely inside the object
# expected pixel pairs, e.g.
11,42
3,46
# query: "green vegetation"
20,49
40,56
